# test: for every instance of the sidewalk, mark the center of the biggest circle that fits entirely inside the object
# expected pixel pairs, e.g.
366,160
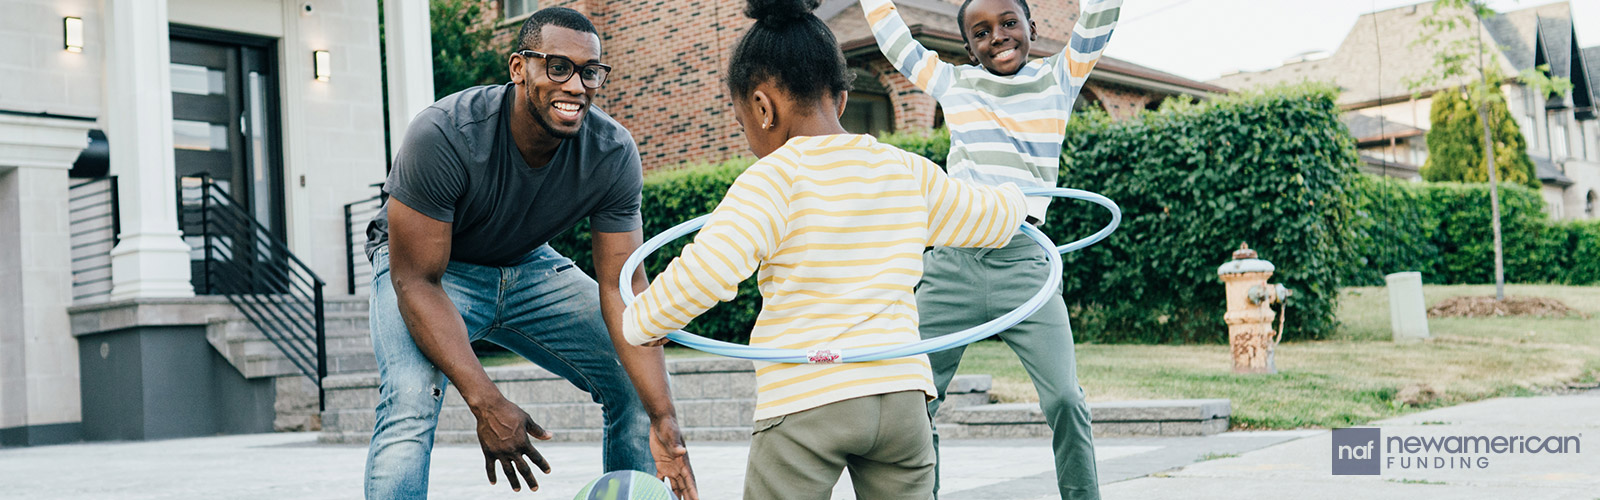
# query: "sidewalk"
1287,464
1302,468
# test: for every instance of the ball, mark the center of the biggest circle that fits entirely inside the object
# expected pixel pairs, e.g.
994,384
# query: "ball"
626,485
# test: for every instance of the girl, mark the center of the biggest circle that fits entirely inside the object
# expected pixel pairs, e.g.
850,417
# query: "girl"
834,225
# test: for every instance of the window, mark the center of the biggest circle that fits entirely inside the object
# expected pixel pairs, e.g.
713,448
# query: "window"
868,110
1558,137
1588,205
512,9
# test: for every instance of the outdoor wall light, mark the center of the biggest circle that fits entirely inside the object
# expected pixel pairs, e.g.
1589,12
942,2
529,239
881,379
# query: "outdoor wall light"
322,64
73,27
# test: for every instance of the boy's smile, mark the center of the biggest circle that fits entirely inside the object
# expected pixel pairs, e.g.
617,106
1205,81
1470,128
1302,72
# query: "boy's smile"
998,34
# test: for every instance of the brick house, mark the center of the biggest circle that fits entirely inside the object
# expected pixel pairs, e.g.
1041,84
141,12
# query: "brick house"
669,57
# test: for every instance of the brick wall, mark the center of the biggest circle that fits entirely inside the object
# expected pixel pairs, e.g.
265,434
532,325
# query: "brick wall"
1054,18
912,108
1121,102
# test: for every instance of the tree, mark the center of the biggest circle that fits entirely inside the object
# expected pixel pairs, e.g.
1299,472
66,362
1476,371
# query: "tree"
1455,57
463,51
1455,143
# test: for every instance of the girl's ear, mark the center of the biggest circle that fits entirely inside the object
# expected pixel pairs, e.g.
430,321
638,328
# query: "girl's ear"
766,111
844,98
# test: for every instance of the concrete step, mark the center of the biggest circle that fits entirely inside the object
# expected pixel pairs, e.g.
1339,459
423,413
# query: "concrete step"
1179,417
715,399
691,435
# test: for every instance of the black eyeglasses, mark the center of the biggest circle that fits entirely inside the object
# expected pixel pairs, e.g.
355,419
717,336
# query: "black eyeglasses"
560,69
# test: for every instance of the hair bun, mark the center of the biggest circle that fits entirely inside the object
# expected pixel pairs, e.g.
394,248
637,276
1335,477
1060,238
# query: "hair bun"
777,11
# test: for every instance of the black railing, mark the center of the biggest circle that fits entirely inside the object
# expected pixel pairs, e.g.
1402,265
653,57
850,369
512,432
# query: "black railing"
238,258
358,271
92,208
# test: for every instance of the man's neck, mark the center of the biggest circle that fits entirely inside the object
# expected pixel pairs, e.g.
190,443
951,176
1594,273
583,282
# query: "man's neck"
535,143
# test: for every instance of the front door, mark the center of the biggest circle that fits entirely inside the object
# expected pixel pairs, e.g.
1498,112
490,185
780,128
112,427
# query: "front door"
225,129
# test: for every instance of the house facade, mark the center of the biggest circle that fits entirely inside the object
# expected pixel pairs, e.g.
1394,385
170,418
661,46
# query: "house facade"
1390,120
161,160
669,57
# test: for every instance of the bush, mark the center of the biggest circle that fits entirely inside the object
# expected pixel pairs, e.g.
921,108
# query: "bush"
1443,231
1194,181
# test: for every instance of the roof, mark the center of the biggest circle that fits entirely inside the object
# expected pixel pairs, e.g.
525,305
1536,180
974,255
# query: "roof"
1378,166
1548,172
1367,128
932,23
1379,54
1591,57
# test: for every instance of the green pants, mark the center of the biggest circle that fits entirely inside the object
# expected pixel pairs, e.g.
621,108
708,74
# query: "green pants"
963,287
884,440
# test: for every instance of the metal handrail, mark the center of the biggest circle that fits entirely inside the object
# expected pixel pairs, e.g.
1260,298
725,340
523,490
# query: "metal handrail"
275,291
88,216
352,259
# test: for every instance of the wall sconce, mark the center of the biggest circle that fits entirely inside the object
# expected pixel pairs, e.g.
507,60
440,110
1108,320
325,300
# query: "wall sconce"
73,36
322,64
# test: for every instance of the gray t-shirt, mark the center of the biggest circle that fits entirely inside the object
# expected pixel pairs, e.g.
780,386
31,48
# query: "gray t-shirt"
459,164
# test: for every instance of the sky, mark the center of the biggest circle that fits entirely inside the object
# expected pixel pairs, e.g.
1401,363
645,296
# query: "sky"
1204,39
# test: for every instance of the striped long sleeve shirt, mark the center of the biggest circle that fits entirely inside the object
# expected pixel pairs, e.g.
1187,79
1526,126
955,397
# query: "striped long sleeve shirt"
1002,128
834,226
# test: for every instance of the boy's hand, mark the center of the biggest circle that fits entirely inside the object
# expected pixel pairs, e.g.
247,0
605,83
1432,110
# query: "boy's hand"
672,458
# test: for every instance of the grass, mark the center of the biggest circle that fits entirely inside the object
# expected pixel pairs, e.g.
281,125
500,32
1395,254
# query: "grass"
1351,379
1215,456
1348,380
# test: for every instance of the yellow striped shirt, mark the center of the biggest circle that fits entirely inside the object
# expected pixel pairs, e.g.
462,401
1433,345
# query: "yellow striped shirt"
834,226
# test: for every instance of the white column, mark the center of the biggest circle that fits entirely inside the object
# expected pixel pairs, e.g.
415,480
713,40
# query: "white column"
38,355
410,55
152,259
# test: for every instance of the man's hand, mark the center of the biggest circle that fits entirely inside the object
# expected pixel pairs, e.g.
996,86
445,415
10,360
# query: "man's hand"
672,458
503,431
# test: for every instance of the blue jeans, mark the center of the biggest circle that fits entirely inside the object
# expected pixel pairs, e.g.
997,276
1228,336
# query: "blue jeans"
543,308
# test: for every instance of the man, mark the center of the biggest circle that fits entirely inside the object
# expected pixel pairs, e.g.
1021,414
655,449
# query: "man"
484,178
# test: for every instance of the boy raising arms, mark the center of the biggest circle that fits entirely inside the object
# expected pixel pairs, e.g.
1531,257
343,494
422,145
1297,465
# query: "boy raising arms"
1007,119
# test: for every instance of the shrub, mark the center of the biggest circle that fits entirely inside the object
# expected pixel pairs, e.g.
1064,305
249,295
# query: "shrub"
1194,181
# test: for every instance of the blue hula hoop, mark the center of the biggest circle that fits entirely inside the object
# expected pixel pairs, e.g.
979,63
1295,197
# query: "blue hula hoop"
960,338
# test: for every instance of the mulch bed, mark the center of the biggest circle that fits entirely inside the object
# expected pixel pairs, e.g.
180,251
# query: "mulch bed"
1486,307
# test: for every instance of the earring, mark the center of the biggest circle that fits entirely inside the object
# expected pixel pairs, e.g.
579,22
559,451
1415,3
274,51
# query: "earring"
766,126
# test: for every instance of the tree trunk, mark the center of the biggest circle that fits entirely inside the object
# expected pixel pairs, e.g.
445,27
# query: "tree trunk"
1494,204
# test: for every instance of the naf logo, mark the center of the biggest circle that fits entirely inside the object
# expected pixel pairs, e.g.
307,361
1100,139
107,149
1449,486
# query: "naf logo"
1357,451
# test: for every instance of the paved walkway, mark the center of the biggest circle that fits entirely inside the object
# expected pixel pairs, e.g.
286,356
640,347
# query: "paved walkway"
1290,464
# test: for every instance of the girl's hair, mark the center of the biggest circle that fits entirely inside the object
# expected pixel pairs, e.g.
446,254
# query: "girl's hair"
792,47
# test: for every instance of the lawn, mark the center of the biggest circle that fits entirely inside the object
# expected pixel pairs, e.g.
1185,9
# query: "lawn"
1353,378
1356,377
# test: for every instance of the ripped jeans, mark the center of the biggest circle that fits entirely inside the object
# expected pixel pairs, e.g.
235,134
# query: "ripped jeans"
543,308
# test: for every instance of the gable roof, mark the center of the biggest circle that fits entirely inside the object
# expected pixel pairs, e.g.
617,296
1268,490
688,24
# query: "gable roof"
1366,128
1379,54
932,22
1591,57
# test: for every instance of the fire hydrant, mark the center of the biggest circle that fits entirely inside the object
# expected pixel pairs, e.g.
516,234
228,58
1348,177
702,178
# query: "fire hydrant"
1249,317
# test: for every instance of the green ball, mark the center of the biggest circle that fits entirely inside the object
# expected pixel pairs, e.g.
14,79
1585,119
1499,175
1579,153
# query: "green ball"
626,485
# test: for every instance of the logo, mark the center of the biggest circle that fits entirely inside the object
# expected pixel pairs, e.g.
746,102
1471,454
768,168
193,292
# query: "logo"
1357,451
822,356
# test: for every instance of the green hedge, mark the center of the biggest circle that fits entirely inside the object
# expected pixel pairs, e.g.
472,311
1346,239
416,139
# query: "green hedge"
1442,230
1194,181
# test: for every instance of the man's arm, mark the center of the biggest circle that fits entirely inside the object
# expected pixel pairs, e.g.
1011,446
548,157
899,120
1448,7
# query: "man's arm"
646,365
1096,20
419,251
922,66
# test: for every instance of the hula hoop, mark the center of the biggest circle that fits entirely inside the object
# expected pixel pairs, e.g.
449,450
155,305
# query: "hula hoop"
962,337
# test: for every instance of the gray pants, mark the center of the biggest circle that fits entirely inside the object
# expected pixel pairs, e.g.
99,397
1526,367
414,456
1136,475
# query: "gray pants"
883,440
963,287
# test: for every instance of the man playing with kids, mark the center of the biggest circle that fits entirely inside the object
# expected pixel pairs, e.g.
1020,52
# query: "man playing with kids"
483,179
833,225
1007,119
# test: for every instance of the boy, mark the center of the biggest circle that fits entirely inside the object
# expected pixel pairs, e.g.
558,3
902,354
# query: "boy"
1007,119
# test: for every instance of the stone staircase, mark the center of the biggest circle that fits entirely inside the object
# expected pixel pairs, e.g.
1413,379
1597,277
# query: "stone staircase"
349,347
715,398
